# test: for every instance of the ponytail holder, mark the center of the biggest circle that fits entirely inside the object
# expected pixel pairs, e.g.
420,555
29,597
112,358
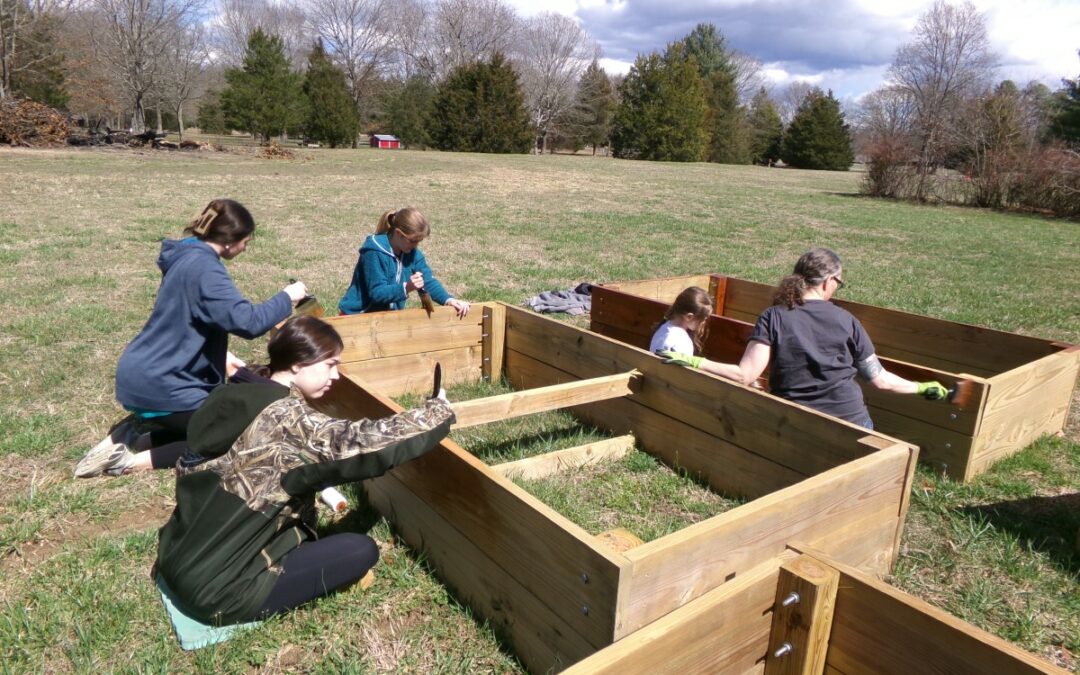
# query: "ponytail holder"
390,219
204,221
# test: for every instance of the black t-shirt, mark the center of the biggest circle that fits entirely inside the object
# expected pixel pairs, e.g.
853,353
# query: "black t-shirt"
815,347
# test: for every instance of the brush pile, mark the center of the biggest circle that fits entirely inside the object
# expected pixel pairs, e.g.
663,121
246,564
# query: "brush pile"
29,124
273,150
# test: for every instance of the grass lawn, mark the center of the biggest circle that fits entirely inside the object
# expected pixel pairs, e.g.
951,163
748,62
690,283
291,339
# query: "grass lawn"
78,243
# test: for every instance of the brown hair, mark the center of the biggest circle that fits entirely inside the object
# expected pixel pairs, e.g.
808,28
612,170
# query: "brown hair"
223,221
812,269
694,301
408,221
301,341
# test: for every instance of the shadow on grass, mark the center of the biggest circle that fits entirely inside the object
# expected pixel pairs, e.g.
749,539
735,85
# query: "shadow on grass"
1050,524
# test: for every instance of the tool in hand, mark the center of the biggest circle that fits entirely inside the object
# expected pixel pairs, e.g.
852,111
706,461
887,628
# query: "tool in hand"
309,305
438,380
959,395
425,300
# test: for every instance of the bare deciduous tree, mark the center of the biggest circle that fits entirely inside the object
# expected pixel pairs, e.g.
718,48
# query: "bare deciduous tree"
185,62
948,60
555,51
748,76
136,36
238,19
789,98
357,35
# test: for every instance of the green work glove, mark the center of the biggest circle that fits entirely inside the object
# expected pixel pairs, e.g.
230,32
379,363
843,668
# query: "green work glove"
931,391
681,359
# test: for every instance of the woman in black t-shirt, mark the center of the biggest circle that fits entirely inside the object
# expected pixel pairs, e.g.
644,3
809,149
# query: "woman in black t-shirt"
813,348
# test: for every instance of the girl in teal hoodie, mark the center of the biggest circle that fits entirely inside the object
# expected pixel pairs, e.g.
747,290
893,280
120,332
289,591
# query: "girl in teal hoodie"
391,266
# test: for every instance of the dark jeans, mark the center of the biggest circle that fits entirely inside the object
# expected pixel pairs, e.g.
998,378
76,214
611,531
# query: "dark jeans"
169,442
318,568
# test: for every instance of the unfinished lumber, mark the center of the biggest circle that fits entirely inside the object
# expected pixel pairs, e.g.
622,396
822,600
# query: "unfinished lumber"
494,341
880,630
619,539
725,631
802,618
543,399
551,463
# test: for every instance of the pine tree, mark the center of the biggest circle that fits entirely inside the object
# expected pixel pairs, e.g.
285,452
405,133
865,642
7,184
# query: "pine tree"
1066,122
709,49
662,112
407,109
331,117
479,108
766,129
210,117
594,107
264,96
818,137
729,133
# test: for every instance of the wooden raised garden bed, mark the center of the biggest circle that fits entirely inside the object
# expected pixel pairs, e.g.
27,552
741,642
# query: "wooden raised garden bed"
555,591
1023,385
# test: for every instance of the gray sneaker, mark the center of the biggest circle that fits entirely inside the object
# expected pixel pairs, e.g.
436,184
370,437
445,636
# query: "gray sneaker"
112,452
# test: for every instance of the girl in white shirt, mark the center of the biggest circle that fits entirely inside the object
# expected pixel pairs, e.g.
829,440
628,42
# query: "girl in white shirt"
685,326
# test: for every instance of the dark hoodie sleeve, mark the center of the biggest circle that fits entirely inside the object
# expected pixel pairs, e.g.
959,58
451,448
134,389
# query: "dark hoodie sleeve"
222,306
352,451
380,286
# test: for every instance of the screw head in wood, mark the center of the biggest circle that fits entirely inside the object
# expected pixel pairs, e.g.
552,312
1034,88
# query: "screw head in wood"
792,599
584,578
785,648
585,610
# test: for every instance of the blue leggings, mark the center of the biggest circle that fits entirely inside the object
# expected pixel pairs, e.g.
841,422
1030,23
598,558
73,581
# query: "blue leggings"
318,568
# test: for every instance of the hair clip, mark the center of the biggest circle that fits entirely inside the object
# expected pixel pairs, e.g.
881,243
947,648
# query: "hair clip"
204,221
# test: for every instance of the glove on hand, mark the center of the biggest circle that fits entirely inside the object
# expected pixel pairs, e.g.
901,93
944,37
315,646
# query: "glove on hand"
931,391
678,359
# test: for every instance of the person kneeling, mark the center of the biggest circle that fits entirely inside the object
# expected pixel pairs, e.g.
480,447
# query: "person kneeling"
240,544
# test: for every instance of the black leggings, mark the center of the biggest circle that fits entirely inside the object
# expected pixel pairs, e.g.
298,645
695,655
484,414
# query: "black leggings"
318,568
169,443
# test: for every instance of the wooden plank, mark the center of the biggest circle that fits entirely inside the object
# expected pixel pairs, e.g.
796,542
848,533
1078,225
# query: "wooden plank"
962,347
416,338
494,336
543,399
548,555
664,288
687,563
879,629
724,631
619,539
1022,405
802,618
411,373
551,463
728,468
776,429
946,451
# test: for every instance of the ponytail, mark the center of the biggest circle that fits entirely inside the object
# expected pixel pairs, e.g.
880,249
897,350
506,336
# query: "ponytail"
386,223
223,221
811,270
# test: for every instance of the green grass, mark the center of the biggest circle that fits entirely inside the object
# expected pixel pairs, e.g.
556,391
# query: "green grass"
78,244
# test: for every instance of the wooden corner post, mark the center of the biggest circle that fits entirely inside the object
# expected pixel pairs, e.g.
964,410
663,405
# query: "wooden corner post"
718,291
494,342
802,618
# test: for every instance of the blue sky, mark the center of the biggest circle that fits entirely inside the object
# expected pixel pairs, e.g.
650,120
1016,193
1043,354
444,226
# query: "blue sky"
843,45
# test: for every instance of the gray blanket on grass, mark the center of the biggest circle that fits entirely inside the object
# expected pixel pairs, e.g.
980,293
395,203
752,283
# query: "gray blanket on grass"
577,300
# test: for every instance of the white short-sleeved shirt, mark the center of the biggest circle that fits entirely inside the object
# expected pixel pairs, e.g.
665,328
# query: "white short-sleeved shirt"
673,338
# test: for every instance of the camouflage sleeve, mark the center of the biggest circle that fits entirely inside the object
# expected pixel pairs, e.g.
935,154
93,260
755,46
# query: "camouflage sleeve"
340,451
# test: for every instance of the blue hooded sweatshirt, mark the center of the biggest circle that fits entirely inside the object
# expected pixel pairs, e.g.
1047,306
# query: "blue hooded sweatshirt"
179,356
378,281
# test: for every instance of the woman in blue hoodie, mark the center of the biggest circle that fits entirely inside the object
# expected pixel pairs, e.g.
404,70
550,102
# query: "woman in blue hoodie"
180,355
391,266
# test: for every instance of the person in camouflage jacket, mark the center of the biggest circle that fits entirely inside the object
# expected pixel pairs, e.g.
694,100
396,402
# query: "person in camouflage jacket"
241,544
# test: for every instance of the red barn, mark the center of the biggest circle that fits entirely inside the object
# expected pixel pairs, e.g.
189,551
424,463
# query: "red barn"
385,141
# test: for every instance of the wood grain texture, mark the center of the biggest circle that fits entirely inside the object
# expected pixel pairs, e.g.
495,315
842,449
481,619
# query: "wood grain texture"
802,617
568,459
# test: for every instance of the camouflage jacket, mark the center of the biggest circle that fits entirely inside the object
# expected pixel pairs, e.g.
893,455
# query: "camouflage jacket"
237,516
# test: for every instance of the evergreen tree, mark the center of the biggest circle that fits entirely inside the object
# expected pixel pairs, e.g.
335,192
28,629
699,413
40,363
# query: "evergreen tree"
662,112
766,129
729,132
818,137
210,117
407,109
331,117
38,66
594,107
479,108
709,49
264,96
1066,122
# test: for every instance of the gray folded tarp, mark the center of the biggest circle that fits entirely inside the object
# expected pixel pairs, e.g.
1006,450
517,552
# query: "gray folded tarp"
577,300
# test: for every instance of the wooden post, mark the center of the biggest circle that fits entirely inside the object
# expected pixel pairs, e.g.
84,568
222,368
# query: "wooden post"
494,342
718,291
802,618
